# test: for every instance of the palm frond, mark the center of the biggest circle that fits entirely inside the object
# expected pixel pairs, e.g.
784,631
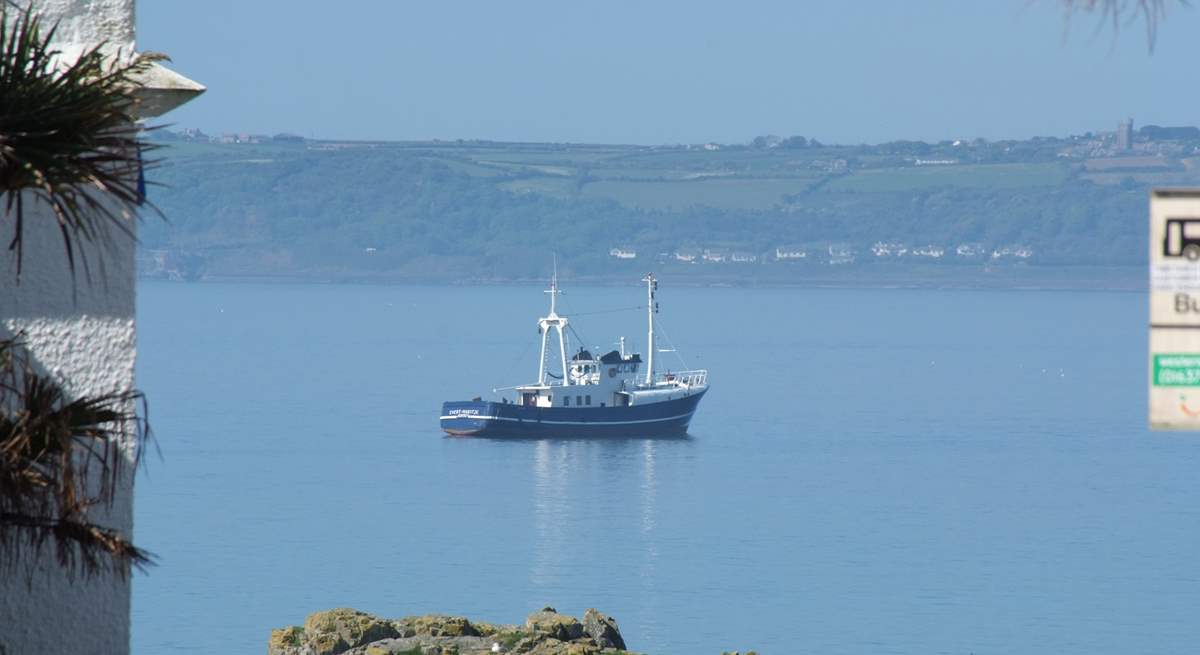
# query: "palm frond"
60,458
69,135
1115,12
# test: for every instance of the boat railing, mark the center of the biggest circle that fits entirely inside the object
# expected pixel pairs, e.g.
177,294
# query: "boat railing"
696,378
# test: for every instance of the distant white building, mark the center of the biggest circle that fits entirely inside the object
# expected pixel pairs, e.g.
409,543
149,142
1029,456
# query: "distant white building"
970,250
790,252
715,256
930,251
743,258
623,253
711,146
688,256
935,162
882,249
1015,252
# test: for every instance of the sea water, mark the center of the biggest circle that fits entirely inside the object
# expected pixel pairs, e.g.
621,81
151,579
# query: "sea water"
882,471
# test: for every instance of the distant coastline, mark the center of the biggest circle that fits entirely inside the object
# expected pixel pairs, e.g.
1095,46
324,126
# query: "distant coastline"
1037,278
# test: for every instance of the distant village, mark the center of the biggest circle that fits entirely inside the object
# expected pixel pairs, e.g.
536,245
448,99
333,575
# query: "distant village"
1124,143
836,254
193,135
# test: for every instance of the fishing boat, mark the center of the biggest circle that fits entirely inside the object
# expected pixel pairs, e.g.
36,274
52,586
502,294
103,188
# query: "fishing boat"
617,394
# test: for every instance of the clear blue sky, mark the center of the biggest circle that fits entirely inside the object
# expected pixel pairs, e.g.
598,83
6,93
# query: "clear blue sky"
670,71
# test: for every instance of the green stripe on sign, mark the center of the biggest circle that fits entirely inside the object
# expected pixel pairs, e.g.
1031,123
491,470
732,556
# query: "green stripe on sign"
1177,370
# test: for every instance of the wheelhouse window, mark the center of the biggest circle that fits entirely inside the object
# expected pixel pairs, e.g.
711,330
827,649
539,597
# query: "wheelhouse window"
566,401
587,400
579,400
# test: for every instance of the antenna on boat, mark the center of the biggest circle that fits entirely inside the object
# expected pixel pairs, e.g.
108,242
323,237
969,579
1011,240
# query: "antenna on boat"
651,310
553,290
553,320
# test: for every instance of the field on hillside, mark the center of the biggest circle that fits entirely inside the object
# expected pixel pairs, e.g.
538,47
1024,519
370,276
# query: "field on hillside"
721,193
676,179
993,176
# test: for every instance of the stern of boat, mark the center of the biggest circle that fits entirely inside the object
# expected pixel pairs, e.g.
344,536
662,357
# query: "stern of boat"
466,417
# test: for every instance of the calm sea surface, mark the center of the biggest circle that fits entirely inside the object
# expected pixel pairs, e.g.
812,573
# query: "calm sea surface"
875,471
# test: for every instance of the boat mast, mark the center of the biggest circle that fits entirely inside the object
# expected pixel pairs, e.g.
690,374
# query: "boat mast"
651,310
553,320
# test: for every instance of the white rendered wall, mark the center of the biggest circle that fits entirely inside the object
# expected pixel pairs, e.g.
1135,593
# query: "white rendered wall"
86,339
85,23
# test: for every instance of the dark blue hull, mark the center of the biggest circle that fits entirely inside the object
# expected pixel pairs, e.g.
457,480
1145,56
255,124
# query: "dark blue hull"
489,419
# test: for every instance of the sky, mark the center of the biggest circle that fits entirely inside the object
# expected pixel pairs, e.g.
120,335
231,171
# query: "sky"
670,71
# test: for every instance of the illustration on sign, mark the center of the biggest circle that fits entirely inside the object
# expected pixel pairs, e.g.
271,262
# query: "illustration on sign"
1187,411
1182,238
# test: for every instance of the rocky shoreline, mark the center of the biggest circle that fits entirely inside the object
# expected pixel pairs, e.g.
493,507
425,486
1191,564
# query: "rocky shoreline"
545,632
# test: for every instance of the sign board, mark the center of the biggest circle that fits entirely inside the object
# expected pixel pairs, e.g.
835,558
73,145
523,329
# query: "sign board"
1175,309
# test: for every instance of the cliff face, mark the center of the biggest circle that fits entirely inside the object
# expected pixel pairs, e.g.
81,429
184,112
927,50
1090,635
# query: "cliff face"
545,632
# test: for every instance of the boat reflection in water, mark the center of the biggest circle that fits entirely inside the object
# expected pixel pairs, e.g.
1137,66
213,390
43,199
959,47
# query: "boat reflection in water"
568,521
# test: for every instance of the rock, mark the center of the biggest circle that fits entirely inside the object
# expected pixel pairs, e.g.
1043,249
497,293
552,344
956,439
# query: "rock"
558,626
341,629
436,625
507,636
284,641
602,629
555,647
484,628
330,633
427,645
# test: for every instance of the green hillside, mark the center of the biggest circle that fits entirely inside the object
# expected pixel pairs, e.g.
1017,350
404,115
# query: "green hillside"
470,210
